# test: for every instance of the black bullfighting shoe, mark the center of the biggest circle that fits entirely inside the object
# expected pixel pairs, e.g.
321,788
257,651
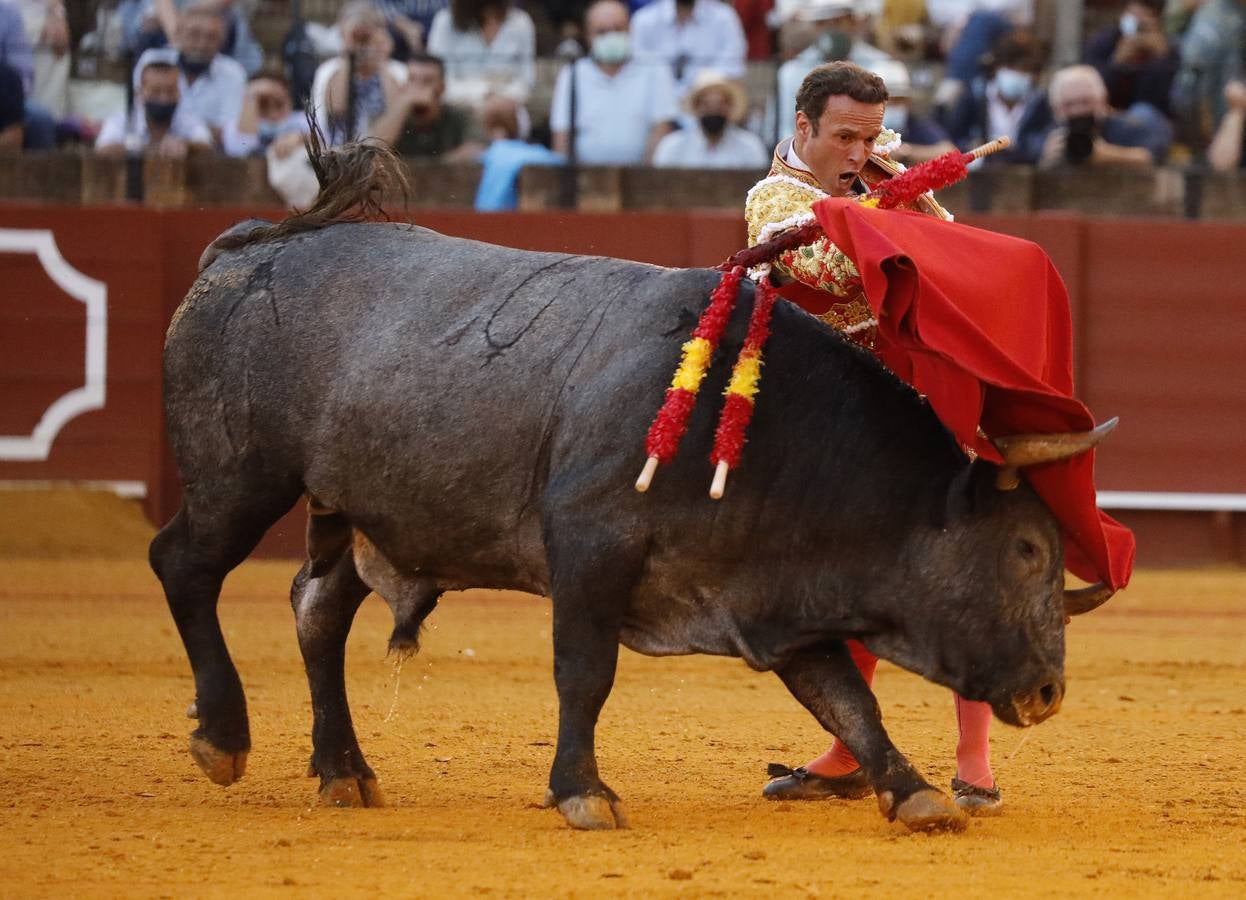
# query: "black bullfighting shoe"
801,784
977,801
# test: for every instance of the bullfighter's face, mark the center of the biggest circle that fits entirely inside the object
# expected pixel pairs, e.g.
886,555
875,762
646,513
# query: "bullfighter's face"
838,144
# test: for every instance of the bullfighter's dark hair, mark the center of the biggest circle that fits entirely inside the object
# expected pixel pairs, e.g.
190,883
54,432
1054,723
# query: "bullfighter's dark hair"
839,78
354,179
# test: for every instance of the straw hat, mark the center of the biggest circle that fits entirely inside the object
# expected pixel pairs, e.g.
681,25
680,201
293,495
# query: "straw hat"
708,79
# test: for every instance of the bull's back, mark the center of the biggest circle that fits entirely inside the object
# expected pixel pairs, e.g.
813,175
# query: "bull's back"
430,381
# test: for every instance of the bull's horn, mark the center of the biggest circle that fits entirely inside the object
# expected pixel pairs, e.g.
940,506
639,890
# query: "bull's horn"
1083,600
1021,450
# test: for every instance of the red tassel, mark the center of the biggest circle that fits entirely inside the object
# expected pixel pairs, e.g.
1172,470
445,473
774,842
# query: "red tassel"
737,410
928,176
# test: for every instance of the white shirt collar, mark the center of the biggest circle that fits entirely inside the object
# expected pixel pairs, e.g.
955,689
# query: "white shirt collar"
792,158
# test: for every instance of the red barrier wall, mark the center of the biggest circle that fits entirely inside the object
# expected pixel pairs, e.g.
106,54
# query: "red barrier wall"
1158,314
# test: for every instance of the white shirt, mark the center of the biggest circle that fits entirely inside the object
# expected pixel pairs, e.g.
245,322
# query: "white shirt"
1001,120
184,125
689,148
475,69
614,114
711,39
216,95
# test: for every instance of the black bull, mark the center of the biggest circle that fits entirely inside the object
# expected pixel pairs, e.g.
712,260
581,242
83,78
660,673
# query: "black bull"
464,415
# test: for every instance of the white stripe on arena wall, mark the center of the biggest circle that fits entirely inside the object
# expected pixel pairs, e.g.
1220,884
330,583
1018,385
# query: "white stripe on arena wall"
1174,500
126,490
94,295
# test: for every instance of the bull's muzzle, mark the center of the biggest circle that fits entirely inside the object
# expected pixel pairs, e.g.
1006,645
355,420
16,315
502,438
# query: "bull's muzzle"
1039,704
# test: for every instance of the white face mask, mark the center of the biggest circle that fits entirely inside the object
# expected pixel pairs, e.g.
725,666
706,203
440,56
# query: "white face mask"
612,48
1012,85
1129,24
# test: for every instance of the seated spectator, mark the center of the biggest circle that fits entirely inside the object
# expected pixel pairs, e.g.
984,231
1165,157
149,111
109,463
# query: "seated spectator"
1005,102
690,35
147,24
1087,131
267,114
409,23
717,141
1211,57
353,89
38,127
506,156
622,106
47,32
922,138
488,47
159,124
212,84
1225,151
12,109
1134,57
290,171
419,124
837,27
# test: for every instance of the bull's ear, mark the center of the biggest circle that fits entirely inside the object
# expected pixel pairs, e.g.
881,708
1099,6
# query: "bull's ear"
962,494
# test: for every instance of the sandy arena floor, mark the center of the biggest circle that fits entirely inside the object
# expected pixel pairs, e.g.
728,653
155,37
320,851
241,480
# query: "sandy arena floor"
1137,788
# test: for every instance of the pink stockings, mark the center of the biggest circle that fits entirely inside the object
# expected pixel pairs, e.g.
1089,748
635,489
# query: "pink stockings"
973,750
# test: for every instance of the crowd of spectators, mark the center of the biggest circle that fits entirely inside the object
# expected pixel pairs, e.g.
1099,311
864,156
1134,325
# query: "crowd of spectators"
642,82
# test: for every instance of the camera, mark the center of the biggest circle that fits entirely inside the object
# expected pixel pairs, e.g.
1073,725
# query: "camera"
1079,143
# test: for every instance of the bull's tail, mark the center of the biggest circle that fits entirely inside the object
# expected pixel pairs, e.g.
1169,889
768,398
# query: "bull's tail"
354,180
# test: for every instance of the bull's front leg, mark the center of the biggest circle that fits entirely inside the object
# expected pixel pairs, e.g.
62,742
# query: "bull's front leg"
828,684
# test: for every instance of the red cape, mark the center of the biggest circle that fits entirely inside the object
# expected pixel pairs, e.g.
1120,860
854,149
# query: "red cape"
979,323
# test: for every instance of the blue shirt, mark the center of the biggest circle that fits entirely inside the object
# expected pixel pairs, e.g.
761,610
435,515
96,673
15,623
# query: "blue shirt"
502,163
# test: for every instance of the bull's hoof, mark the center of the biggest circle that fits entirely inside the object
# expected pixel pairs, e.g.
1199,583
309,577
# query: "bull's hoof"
590,812
192,711
925,810
221,767
346,793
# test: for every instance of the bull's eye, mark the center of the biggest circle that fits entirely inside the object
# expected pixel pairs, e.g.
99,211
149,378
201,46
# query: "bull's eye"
1027,549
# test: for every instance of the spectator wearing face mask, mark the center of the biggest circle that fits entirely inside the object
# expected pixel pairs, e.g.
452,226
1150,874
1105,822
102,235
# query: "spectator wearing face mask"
1006,102
1086,131
147,24
922,138
838,26
1134,57
159,124
420,124
623,107
267,114
690,35
212,85
717,141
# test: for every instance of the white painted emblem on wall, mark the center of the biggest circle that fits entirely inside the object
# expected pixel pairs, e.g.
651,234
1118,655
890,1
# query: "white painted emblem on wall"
94,295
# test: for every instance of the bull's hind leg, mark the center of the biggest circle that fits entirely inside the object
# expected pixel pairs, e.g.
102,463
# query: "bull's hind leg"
827,683
592,584
191,556
324,609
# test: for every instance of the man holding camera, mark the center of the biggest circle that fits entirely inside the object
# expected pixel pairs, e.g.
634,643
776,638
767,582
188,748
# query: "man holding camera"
1087,132
419,124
